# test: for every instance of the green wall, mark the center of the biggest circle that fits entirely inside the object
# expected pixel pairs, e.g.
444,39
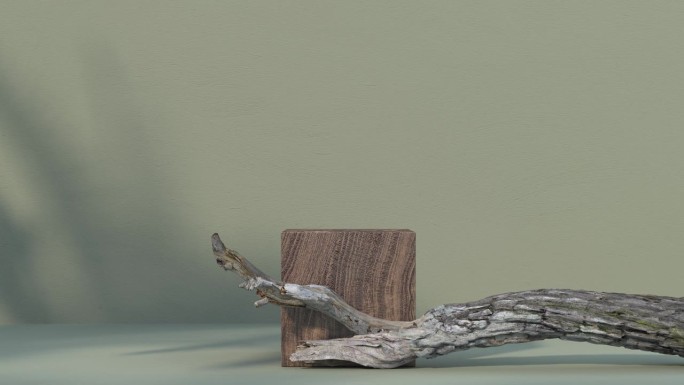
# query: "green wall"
529,144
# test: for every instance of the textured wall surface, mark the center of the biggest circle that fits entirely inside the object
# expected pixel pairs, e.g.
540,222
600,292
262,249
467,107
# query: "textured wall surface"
529,144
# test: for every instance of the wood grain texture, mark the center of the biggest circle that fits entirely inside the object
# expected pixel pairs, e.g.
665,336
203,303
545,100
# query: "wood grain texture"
373,270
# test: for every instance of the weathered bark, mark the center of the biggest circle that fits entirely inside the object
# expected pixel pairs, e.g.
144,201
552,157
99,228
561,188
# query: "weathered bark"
649,323
643,322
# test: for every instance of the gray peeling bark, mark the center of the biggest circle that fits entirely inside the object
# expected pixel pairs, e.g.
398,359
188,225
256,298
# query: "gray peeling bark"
643,322
649,323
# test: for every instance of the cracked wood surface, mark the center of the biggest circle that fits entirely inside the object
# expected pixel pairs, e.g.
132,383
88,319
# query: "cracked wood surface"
642,322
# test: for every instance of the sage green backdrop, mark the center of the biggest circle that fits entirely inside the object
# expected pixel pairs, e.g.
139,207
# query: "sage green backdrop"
529,144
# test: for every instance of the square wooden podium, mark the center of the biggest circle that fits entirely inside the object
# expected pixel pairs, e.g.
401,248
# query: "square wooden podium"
373,270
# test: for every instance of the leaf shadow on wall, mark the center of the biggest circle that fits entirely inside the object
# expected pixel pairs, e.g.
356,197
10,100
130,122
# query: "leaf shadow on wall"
106,205
19,298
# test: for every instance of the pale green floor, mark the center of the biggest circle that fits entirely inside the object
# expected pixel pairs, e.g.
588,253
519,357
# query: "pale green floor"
249,354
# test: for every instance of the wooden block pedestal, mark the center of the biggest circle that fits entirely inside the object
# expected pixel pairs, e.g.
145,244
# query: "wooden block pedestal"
373,270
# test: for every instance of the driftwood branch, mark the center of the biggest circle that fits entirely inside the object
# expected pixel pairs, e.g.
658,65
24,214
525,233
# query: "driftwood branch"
649,323
315,297
643,322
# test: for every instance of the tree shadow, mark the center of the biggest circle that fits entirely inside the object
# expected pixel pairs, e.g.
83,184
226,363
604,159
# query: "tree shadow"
20,299
108,204
19,289
262,338
272,358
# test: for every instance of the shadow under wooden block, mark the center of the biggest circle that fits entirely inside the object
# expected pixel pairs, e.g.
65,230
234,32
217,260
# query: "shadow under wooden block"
373,270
